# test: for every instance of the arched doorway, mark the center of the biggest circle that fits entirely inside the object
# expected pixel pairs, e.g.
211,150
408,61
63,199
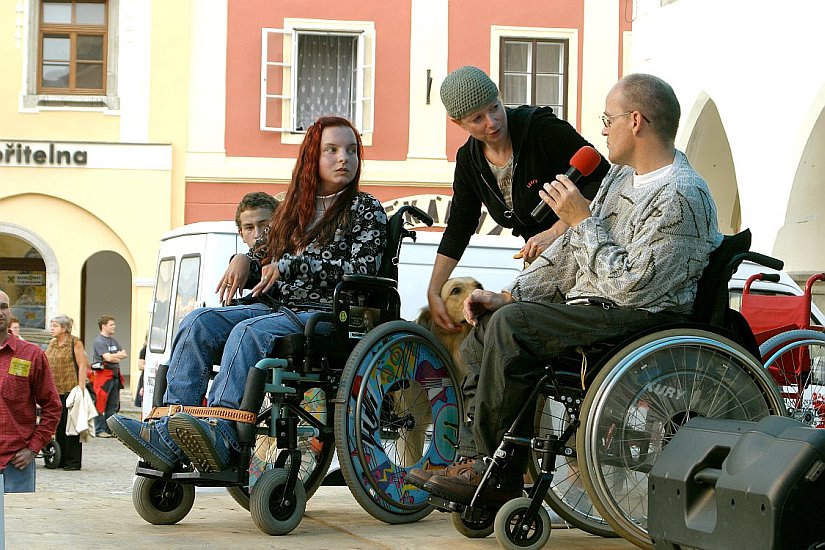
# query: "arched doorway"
107,290
28,274
709,152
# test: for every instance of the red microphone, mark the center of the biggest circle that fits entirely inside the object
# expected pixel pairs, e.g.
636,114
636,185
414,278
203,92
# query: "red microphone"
583,163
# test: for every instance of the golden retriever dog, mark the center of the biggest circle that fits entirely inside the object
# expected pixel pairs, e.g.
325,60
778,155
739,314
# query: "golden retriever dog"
453,293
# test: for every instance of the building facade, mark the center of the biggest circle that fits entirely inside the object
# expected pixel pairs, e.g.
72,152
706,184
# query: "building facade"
122,119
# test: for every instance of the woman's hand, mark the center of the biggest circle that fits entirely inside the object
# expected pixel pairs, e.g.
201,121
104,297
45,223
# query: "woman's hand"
269,274
234,278
438,311
536,244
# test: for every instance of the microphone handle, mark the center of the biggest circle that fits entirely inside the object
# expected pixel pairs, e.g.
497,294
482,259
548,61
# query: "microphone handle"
542,208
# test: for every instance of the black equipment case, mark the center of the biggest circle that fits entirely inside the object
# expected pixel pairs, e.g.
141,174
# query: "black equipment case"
730,484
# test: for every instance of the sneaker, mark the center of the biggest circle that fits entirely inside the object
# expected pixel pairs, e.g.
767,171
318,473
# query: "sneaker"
460,486
201,440
143,439
104,435
419,476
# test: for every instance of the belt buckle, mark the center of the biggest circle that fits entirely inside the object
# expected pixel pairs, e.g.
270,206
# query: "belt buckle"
174,409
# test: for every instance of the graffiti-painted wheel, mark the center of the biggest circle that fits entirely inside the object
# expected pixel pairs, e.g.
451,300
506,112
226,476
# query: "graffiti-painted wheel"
398,408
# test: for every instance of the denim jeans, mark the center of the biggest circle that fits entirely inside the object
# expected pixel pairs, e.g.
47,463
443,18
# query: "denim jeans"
235,337
19,481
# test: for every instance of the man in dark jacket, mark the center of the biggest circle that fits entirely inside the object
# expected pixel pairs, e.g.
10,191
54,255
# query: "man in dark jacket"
509,155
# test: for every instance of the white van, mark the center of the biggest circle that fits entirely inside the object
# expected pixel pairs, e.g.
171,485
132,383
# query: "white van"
192,259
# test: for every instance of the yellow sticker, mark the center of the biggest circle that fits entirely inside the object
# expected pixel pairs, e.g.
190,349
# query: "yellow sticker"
343,316
19,367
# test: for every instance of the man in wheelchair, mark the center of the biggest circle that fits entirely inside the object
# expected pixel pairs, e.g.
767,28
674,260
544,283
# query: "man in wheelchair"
326,229
630,261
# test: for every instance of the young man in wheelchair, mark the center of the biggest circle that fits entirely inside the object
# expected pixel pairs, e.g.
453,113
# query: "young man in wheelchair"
630,261
326,229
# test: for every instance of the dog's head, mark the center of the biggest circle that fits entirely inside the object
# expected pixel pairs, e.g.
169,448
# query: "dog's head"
454,292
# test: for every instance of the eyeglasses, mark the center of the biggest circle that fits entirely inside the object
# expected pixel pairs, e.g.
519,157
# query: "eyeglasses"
607,120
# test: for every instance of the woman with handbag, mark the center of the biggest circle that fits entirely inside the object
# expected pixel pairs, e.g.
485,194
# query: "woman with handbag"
67,359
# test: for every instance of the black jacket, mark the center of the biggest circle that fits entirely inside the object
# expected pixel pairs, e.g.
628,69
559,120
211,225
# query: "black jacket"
543,145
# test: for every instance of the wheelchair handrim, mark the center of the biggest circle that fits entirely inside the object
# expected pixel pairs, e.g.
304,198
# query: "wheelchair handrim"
440,411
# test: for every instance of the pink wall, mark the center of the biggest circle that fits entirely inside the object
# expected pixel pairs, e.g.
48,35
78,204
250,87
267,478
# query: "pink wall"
470,36
392,69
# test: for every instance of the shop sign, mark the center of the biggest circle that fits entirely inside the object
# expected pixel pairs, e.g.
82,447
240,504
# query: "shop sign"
20,154
24,279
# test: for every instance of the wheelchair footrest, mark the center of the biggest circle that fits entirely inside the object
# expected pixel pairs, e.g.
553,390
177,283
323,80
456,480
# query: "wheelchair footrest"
445,505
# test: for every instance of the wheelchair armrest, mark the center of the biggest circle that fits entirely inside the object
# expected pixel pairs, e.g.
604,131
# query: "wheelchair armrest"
368,281
315,318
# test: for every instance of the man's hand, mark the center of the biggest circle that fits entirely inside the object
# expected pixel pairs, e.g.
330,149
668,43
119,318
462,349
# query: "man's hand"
22,458
482,301
234,278
438,311
566,200
269,274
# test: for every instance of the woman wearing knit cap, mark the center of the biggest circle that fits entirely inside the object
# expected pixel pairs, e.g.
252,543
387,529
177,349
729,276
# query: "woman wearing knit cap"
509,155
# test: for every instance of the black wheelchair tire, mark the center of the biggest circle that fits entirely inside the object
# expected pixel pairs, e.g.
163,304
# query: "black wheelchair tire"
264,504
52,454
311,479
162,502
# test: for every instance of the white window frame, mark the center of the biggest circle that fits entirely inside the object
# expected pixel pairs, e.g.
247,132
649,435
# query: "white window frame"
364,84
499,32
32,100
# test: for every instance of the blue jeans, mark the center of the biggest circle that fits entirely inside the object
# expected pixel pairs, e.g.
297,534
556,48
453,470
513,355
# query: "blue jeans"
236,337
18,481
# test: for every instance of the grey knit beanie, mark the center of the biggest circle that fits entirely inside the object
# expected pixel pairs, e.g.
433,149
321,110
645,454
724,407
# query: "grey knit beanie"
466,90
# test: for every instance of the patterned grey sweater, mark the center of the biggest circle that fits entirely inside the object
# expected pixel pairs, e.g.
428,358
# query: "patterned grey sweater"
644,248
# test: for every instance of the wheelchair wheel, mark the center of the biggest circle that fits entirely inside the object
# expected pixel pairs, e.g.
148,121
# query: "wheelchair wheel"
641,397
567,495
514,530
270,514
796,361
51,454
474,529
316,454
397,409
162,502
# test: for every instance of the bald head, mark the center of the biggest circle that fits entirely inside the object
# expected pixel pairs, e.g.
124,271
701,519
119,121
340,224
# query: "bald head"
653,97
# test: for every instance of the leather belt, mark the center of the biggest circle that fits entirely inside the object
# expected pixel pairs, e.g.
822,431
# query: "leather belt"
246,417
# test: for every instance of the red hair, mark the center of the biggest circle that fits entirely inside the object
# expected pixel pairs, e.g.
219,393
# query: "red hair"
288,229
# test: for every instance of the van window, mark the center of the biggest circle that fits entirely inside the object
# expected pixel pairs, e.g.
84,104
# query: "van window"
187,294
160,308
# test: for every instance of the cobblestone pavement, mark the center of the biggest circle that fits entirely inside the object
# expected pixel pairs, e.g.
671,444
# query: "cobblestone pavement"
92,508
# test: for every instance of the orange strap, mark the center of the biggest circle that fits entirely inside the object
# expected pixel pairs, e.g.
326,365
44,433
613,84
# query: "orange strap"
247,417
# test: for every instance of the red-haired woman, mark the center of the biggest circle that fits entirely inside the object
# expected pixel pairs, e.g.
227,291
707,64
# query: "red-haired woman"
325,228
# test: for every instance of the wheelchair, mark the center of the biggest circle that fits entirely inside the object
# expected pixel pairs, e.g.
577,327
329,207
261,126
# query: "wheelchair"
378,389
602,415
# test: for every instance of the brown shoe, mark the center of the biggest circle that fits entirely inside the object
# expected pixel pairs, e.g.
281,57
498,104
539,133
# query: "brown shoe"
461,486
419,476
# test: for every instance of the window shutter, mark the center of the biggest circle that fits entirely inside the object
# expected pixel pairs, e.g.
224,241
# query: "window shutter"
365,81
276,69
